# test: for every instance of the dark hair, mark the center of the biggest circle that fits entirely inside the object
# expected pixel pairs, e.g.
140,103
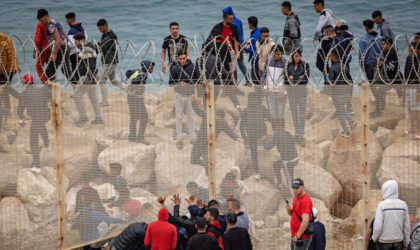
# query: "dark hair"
329,29
417,34
417,46
321,2
253,20
278,123
213,203
101,22
287,5
173,24
201,223
227,13
277,48
334,53
296,51
376,13
79,36
192,184
368,23
264,30
235,203
70,15
181,52
388,40
231,218
116,166
41,13
214,212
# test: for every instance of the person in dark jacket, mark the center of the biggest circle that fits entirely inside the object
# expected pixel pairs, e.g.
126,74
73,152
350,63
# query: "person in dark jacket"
236,238
253,127
213,228
86,195
184,74
138,112
297,75
35,99
340,92
183,222
85,77
132,238
75,27
318,241
291,33
412,95
285,144
202,240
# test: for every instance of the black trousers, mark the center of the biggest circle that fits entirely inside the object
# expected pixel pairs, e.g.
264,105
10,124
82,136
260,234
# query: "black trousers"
253,146
390,246
288,166
37,129
61,59
321,57
138,113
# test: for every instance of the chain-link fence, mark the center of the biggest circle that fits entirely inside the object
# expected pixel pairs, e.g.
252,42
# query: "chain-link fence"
83,159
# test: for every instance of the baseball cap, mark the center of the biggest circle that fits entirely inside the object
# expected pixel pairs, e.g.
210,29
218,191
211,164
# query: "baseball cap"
28,78
41,13
296,183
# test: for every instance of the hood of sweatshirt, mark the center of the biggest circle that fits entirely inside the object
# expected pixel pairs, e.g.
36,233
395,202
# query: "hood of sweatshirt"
229,8
293,16
145,65
163,214
326,12
76,28
390,190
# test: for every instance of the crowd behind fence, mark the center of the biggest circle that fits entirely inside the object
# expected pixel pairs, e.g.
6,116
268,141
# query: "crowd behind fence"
138,145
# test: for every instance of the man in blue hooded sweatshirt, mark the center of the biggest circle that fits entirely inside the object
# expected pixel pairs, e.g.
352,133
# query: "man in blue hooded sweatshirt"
75,28
238,23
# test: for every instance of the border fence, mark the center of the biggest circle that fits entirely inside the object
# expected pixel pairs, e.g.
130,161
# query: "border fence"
103,166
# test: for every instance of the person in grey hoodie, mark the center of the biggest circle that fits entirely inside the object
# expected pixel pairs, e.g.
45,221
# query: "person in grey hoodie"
325,18
391,229
291,33
383,25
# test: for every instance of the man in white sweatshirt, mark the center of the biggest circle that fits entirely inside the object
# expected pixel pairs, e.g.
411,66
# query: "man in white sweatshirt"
391,229
326,17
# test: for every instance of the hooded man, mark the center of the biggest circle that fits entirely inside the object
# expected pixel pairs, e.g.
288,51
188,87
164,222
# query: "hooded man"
291,33
391,229
75,28
160,234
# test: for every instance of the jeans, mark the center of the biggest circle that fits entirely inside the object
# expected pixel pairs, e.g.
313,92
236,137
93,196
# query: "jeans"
138,113
61,59
276,105
305,245
79,92
242,66
37,129
287,166
108,72
297,96
390,246
184,103
343,113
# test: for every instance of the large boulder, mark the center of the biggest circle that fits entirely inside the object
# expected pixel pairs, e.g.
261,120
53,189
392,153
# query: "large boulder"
9,169
71,199
375,196
137,160
262,199
13,216
319,183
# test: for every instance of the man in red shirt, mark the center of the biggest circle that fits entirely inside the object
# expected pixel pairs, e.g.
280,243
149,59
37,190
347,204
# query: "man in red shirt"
301,212
161,235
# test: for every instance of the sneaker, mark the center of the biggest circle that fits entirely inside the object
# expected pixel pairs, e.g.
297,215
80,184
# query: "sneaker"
82,121
97,121
257,177
143,141
35,170
345,135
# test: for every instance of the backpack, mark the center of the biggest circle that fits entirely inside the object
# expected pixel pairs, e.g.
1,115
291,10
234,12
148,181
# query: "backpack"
415,237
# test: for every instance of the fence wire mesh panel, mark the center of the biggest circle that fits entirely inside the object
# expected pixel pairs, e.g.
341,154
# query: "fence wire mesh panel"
89,151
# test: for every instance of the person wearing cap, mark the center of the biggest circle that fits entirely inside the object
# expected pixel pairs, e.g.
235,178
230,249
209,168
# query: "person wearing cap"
138,112
59,54
318,241
301,213
75,27
34,100
236,238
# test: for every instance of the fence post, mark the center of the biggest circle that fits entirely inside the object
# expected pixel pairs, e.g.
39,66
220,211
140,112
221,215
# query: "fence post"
365,156
57,122
211,132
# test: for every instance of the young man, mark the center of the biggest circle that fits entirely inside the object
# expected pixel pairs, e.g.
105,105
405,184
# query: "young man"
236,238
342,45
291,33
412,95
86,195
59,53
391,229
286,146
184,74
120,186
173,44
109,49
318,241
369,52
35,99
234,206
214,229
389,69
383,25
202,240
160,234
251,48
41,51
340,92
264,46
75,28
273,79
211,66
325,18
85,74
301,213
138,112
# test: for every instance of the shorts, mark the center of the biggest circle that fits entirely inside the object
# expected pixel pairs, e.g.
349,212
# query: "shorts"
411,99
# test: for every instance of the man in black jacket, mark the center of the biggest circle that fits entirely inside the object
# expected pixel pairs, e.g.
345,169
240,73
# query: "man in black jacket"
202,240
236,238
85,76
132,238
389,69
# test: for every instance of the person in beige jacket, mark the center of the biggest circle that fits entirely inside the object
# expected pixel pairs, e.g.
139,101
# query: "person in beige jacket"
264,46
